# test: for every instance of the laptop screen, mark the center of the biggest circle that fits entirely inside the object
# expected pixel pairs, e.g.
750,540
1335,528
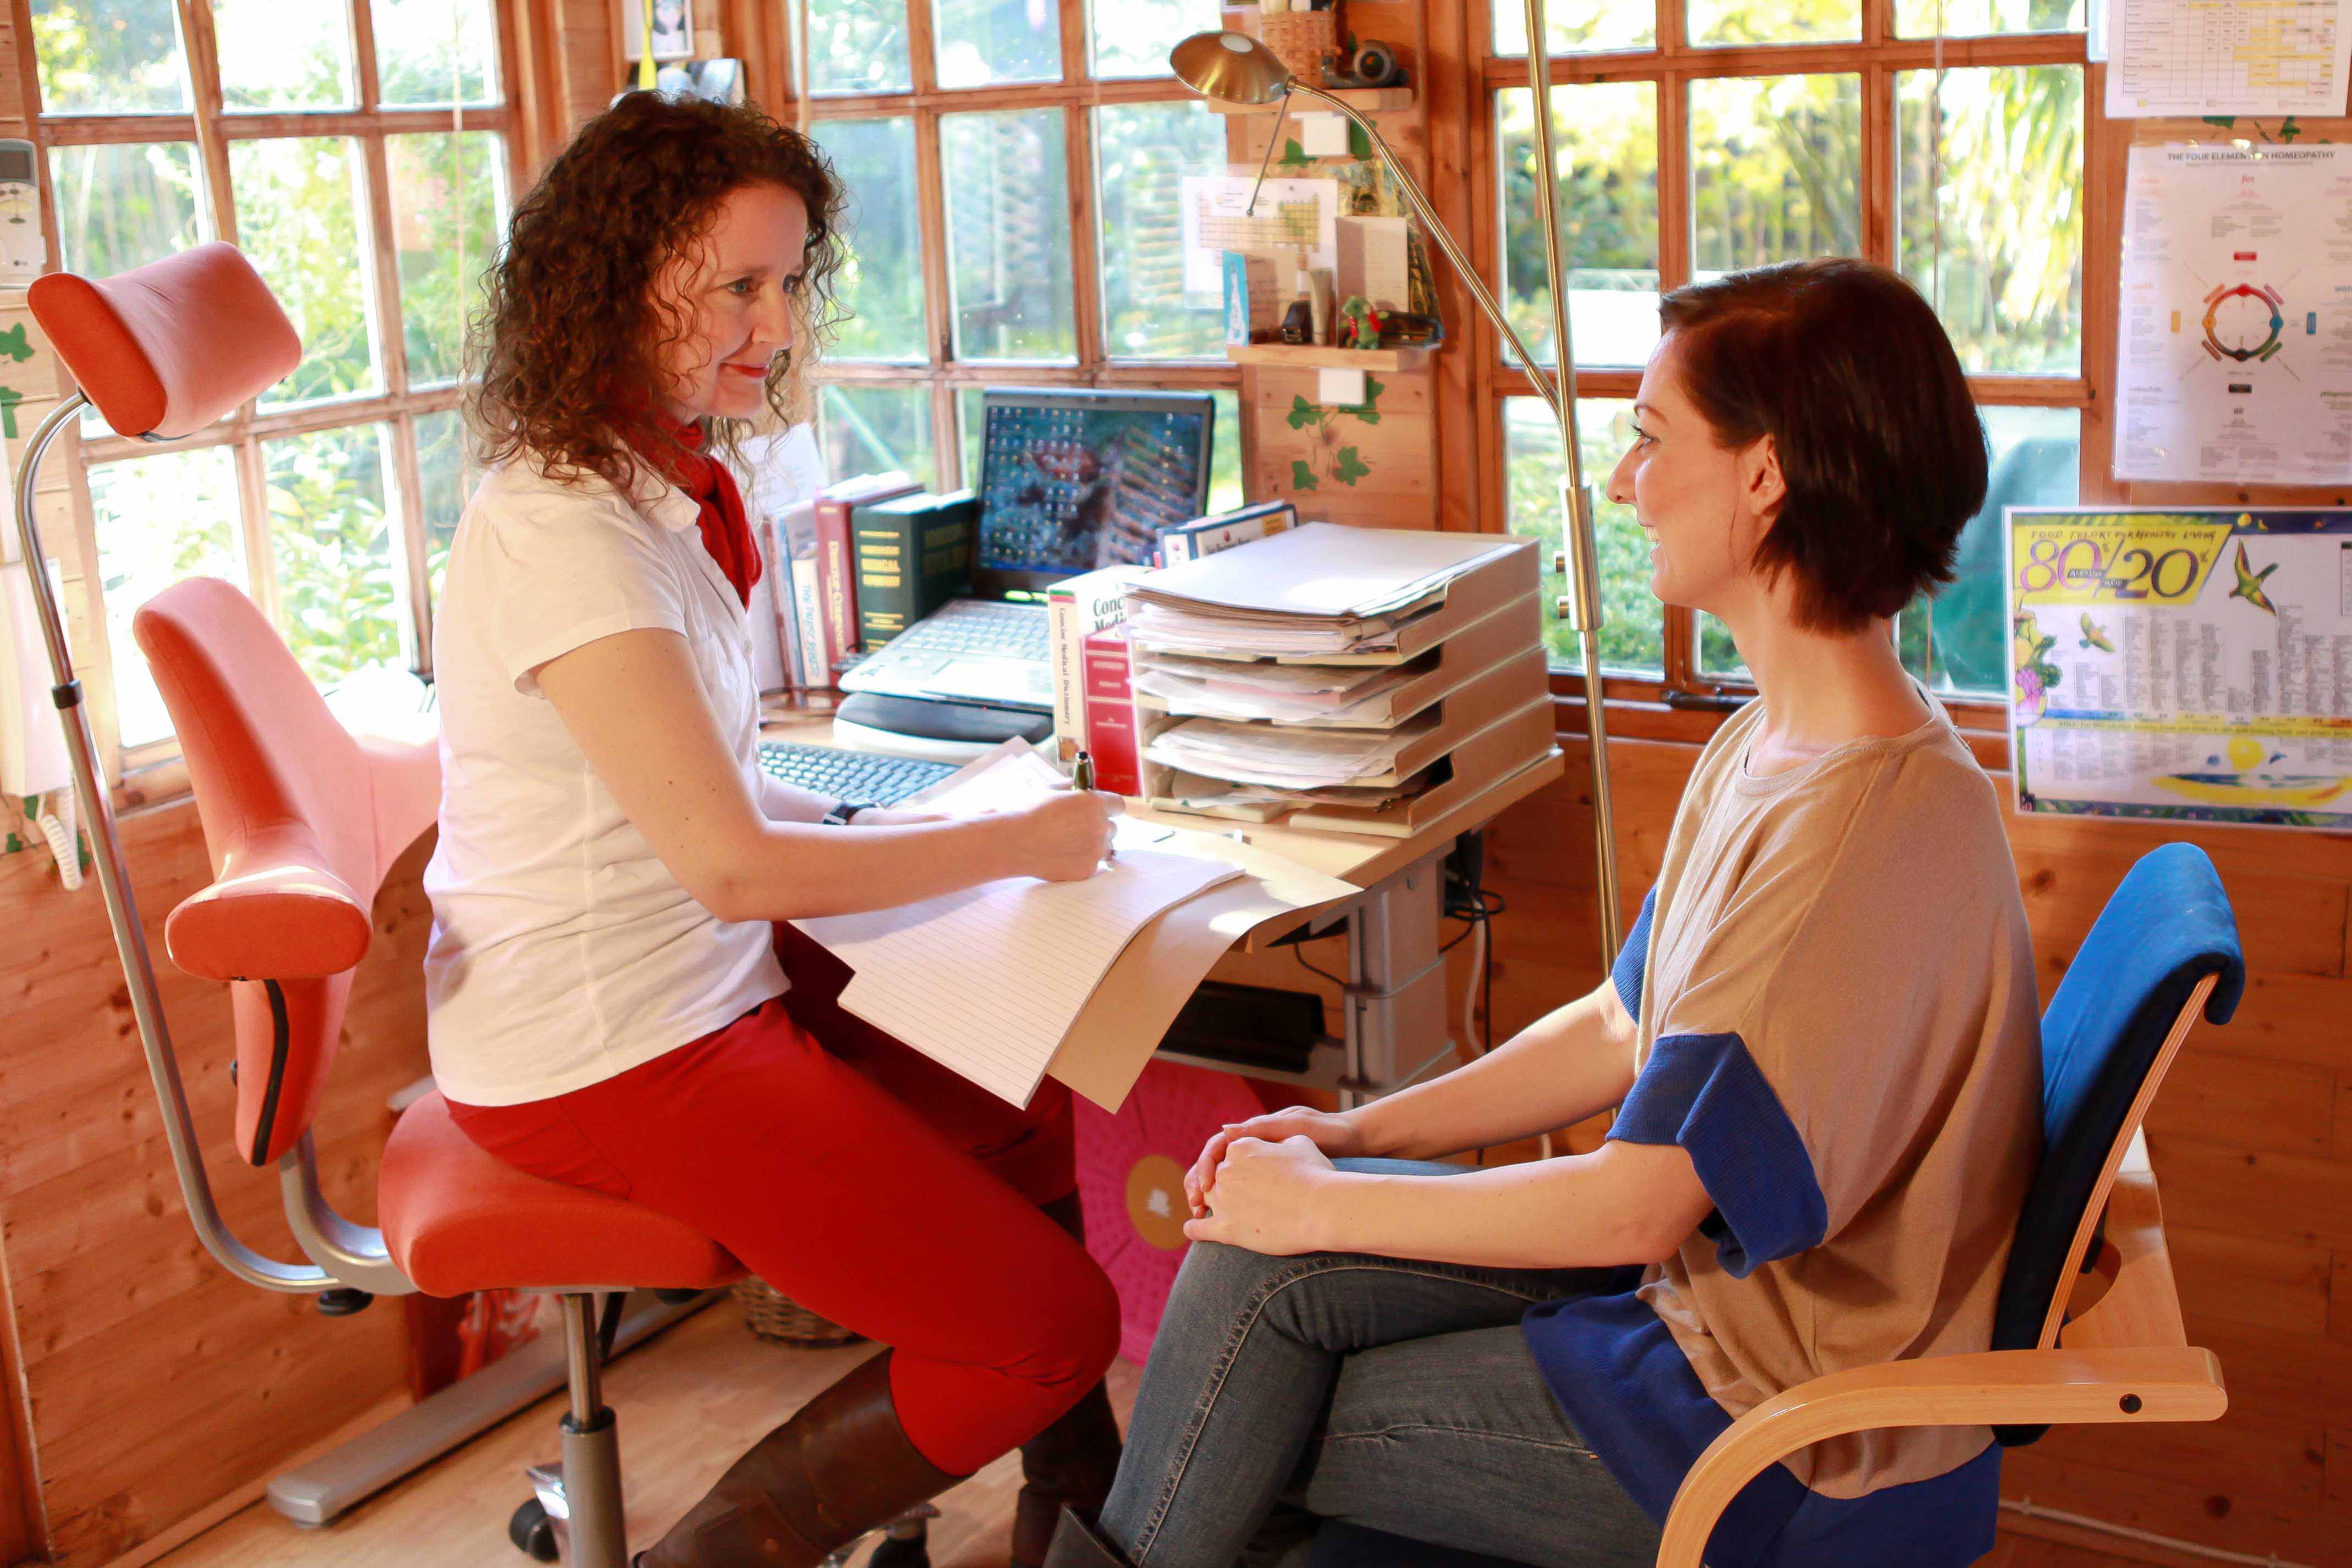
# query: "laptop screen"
1071,480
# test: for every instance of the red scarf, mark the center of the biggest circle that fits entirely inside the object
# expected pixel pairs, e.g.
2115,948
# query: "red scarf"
677,451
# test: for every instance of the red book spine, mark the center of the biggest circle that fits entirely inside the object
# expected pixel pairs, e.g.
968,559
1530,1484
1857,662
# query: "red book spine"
1112,734
836,562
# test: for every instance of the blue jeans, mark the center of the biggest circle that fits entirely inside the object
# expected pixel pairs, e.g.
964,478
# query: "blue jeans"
1385,1391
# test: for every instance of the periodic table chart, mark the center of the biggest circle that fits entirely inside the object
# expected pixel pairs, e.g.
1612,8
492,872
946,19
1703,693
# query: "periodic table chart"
2247,56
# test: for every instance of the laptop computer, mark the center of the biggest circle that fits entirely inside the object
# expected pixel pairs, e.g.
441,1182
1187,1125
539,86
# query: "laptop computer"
1070,479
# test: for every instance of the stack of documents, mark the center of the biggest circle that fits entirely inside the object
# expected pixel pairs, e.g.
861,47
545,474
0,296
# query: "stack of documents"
1334,668
1296,693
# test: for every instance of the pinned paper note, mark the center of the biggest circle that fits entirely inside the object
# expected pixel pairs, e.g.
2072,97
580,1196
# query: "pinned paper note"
1217,216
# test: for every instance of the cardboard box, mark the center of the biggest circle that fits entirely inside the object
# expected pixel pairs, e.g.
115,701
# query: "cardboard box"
1374,262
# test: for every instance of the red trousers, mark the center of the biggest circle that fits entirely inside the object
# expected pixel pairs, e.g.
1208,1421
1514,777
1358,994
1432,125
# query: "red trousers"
865,1182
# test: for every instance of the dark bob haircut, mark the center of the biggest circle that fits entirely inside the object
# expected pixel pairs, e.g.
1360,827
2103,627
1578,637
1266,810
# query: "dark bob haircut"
1845,367
572,332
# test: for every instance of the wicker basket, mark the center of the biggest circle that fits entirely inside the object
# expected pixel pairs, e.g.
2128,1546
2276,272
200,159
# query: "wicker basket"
772,1314
1300,39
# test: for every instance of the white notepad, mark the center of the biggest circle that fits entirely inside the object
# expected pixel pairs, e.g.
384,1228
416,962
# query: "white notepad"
987,982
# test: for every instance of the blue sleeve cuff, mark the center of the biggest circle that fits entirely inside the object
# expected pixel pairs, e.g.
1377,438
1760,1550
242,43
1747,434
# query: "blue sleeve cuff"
1633,967
1705,1093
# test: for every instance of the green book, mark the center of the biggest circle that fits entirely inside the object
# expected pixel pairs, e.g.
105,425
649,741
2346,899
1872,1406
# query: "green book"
914,554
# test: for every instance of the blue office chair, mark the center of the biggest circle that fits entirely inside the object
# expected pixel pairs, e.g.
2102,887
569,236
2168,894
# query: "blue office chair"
2088,1326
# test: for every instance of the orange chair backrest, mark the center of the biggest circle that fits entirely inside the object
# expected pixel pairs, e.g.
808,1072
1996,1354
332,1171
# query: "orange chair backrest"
302,821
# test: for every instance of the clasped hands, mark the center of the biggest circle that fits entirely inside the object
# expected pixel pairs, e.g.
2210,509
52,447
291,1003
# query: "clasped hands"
1263,1184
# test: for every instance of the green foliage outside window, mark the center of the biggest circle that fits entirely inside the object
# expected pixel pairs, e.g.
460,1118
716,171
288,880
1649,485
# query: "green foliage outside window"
331,533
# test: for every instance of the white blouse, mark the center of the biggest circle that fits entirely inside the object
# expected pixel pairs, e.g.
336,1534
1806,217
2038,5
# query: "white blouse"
563,951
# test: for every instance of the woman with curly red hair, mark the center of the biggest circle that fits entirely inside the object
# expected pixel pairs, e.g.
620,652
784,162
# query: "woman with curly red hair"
613,1001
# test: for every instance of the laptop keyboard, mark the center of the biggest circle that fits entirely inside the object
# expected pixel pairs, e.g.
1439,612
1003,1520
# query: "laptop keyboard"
849,775
981,627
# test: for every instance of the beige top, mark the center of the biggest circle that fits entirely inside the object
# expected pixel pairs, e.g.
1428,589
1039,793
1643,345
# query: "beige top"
1846,937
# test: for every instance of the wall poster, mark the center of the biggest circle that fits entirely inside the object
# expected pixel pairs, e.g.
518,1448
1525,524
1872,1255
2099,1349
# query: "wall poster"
2186,665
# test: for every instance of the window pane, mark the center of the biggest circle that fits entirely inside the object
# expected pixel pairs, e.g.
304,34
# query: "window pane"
1633,624
1139,33
872,430
1578,27
985,41
1606,137
1717,659
1224,449
1225,454
1776,170
1998,245
1959,640
434,52
858,46
1970,18
298,214
1773,21
882,285
158,519
338,589
276,56
109,57
1142,152
1009,235
446,473
122,206
449,209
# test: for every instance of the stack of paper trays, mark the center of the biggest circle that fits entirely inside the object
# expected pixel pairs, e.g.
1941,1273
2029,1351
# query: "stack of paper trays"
1363,680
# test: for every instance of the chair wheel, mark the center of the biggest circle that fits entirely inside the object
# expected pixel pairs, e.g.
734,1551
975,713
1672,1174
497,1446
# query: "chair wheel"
532,1531
902,1551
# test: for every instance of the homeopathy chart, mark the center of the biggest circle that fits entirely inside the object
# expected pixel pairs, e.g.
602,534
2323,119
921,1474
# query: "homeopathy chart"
2234,353
2192,665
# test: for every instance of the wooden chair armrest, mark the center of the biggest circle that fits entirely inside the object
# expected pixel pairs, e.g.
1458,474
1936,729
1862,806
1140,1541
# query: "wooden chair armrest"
2002,1386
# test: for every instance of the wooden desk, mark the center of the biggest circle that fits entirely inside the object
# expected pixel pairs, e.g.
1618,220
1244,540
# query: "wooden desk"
1396,1025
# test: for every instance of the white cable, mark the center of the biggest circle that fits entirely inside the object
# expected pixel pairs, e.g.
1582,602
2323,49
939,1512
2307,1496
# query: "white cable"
57,826
2027,1508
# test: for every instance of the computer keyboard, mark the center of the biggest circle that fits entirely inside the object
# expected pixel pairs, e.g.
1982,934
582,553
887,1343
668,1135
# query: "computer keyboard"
849,775
981,626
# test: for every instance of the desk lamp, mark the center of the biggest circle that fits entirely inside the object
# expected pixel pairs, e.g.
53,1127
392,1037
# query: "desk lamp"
1235,68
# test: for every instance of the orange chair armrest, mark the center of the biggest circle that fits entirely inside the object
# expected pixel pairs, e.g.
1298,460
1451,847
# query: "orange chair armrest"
2022,1388
275,913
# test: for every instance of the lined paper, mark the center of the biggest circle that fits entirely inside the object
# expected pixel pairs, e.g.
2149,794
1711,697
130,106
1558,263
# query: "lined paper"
987,982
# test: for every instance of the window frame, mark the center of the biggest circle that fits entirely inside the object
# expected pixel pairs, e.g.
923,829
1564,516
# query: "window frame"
152,769
1681,704
1077,94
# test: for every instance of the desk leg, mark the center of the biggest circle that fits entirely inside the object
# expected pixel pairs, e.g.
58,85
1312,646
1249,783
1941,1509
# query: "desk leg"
1395,1022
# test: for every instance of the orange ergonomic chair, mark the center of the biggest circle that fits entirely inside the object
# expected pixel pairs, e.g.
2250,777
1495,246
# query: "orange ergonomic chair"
302,819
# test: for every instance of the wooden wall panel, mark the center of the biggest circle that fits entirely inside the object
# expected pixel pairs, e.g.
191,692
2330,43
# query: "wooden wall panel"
117,1308
2247,1137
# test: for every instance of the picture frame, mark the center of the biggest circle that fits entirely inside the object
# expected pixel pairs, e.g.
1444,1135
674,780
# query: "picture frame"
673,34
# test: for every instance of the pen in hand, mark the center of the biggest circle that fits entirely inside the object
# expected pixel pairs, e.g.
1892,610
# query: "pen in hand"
1082,776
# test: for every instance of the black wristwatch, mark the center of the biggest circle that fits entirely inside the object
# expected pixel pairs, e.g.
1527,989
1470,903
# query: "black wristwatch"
844,810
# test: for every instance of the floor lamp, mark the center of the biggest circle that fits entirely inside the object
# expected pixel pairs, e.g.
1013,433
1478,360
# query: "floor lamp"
1235,68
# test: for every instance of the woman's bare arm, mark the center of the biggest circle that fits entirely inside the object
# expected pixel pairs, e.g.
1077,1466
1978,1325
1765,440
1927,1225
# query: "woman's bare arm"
634,706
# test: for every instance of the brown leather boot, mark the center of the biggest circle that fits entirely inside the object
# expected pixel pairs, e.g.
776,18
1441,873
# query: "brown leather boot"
838,1468
1072,1463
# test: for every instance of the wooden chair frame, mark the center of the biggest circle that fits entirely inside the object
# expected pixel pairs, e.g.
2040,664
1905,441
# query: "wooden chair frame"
2124,1359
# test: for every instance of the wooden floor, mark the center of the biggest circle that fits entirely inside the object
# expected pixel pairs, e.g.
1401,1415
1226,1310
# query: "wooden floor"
688,1402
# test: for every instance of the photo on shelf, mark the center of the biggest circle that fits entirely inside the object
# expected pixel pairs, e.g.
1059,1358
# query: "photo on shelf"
673,30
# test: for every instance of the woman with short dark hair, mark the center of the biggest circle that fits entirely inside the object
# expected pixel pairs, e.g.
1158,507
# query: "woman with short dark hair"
614,999
1820,1043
